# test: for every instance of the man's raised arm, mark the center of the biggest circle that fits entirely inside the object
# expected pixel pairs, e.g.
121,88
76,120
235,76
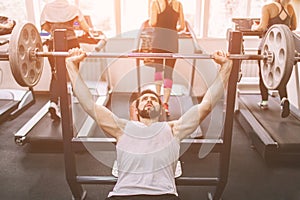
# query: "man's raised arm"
110,123
190,120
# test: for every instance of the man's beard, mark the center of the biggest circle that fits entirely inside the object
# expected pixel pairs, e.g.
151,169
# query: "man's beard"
149,113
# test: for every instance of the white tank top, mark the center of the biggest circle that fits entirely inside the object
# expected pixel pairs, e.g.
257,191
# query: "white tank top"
146,157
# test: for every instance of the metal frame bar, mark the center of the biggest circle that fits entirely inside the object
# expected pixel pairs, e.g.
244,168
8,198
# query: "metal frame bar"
60,44
20,135
75,181
235,46
182,181
297,84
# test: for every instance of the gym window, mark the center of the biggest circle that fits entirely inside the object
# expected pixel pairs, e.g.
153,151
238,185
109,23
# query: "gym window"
209,18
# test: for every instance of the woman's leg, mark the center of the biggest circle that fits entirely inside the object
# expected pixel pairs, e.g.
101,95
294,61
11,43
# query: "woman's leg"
53,88
168,83
282,91
54,84
285,104
158,76
262,87
168,79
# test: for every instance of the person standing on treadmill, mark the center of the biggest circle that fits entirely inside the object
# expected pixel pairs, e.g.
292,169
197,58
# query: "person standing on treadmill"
60,14
166,16
277,12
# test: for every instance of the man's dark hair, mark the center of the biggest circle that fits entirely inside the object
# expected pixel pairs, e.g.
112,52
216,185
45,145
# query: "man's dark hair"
147,91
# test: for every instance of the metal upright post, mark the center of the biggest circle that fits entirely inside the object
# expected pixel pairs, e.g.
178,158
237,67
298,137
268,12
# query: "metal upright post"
138,74
60,44
234,47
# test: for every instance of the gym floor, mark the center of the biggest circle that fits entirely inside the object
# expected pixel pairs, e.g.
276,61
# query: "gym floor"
37,172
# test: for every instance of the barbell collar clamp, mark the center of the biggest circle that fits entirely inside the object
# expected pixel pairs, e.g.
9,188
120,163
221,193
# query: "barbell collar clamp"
269,57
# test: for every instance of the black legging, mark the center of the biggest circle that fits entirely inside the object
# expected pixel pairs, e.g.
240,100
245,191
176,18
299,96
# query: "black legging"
264,91
167,70
54,84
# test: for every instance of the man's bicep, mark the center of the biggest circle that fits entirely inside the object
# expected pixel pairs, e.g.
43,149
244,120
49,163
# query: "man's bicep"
187,123
109,122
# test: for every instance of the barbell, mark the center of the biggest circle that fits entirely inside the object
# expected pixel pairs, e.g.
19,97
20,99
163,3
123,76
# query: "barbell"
25,55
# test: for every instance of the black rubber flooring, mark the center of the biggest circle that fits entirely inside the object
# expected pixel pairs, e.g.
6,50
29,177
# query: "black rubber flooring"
33,173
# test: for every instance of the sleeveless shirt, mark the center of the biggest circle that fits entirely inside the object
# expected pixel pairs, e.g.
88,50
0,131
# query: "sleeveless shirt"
165,36
146,157
167,18
278,20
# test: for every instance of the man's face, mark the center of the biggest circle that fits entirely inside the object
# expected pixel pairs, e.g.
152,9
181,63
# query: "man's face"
149,106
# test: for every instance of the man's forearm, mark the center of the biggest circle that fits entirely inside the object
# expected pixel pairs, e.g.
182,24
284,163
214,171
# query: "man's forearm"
216,90
80,89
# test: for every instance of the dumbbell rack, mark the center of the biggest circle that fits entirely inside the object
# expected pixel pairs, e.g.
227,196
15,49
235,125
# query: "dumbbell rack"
223,147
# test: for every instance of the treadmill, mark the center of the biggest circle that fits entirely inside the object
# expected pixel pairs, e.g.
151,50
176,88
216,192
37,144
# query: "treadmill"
276,139
13,101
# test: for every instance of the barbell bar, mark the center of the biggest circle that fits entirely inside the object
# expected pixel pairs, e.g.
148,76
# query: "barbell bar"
26,54
4,55
151,55
266,56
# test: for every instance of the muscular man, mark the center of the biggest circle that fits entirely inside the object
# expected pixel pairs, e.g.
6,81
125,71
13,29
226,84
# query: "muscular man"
147,150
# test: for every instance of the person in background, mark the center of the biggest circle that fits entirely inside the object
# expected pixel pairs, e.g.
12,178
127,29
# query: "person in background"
7,24
60,14
277,12
167,18
147,150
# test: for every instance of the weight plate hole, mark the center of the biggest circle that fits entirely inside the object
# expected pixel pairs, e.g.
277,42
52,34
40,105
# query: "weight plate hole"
281,56
266,48
31,76
271,36
270,79
278,38
25,35
33,35
22,51
277,73
24,69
